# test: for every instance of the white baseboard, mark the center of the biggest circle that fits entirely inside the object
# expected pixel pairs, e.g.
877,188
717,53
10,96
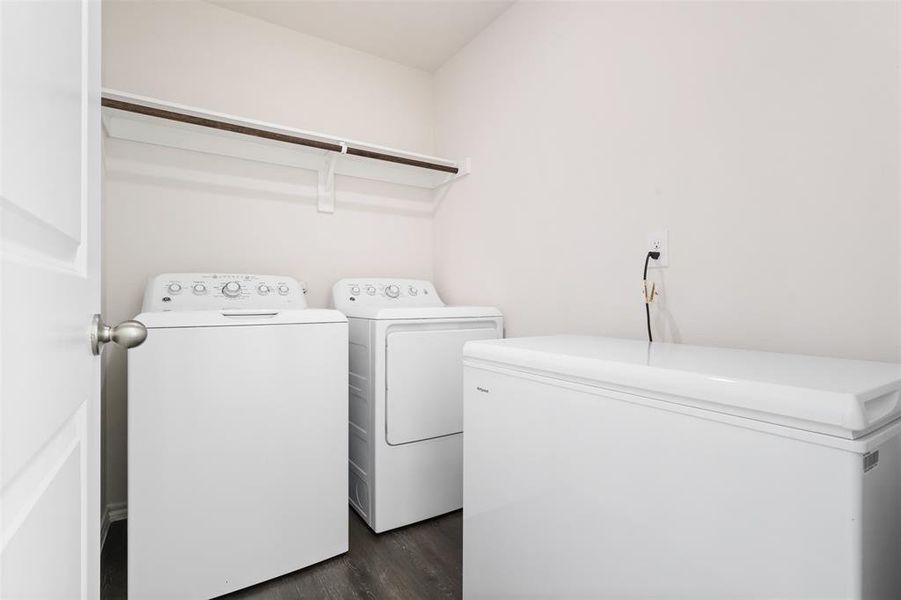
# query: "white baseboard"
114,511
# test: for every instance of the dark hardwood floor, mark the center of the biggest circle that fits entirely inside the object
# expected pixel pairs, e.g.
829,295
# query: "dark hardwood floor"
422,561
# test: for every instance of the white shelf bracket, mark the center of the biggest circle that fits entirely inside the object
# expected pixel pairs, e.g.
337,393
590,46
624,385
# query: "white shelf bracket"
440,191
326,190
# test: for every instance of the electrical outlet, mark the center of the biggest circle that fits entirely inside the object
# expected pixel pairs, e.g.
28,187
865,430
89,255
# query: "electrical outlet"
658,242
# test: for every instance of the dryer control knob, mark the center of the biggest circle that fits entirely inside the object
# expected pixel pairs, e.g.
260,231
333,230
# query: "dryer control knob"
263,289
232,289
174,288
413,291
355,290
199,289
370,290
283,290
392,291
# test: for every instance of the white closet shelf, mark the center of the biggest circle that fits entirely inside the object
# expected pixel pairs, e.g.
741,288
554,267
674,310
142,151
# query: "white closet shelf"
142,119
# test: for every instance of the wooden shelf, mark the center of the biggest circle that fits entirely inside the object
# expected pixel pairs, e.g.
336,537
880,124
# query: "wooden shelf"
142,119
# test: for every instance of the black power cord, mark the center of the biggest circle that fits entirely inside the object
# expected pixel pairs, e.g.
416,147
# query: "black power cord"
647,301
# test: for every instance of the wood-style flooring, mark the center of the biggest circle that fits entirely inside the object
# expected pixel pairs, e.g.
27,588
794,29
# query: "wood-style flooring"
422,561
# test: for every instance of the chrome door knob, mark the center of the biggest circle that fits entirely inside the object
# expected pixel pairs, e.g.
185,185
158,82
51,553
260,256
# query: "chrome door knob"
127,334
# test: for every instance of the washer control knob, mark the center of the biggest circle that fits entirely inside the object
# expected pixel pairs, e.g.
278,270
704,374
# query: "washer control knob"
283,290
413,291
370,290
263,289
199,289
355,290
174,288
232,289
392,291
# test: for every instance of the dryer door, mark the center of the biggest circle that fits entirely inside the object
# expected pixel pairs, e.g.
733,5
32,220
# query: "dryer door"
425,382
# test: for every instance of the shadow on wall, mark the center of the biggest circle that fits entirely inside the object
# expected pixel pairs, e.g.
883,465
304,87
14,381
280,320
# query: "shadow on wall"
663,321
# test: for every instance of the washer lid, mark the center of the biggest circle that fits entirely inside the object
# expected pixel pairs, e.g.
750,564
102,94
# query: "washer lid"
845,398
234,317
422,312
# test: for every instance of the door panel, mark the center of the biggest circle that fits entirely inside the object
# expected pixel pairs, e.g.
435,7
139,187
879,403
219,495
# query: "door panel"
49,290
425,382
56,516
42,109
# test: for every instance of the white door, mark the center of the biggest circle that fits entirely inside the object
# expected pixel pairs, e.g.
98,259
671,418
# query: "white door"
425,382
49,290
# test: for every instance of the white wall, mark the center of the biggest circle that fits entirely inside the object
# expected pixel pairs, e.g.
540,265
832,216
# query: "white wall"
764,136
159,215
199,54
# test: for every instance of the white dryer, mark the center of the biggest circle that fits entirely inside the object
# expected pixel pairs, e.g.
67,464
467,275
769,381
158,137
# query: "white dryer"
237,435
406,397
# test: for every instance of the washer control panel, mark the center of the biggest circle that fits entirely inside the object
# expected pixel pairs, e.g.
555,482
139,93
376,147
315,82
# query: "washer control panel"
217,291
384,292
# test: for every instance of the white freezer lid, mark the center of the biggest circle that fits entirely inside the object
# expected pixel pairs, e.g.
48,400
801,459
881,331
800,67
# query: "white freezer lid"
423,312
233,317
846,398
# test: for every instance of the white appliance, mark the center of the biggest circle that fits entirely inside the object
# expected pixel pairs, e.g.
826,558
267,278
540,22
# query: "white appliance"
606,468
406,397
237,435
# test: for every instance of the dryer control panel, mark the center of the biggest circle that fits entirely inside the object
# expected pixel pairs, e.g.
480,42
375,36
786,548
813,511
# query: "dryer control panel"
216,291
384,292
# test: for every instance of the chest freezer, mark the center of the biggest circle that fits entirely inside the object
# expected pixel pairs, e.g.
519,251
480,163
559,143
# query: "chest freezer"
607,468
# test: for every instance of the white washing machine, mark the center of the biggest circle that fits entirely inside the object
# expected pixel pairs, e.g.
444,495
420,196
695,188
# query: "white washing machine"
406,397
237,435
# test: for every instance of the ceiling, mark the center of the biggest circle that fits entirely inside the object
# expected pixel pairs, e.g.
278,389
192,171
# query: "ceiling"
421,34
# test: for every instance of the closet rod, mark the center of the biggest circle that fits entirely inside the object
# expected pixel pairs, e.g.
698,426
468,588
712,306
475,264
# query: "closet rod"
271,135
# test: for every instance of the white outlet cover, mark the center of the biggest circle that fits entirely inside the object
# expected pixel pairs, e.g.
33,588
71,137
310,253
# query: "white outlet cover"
659,242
